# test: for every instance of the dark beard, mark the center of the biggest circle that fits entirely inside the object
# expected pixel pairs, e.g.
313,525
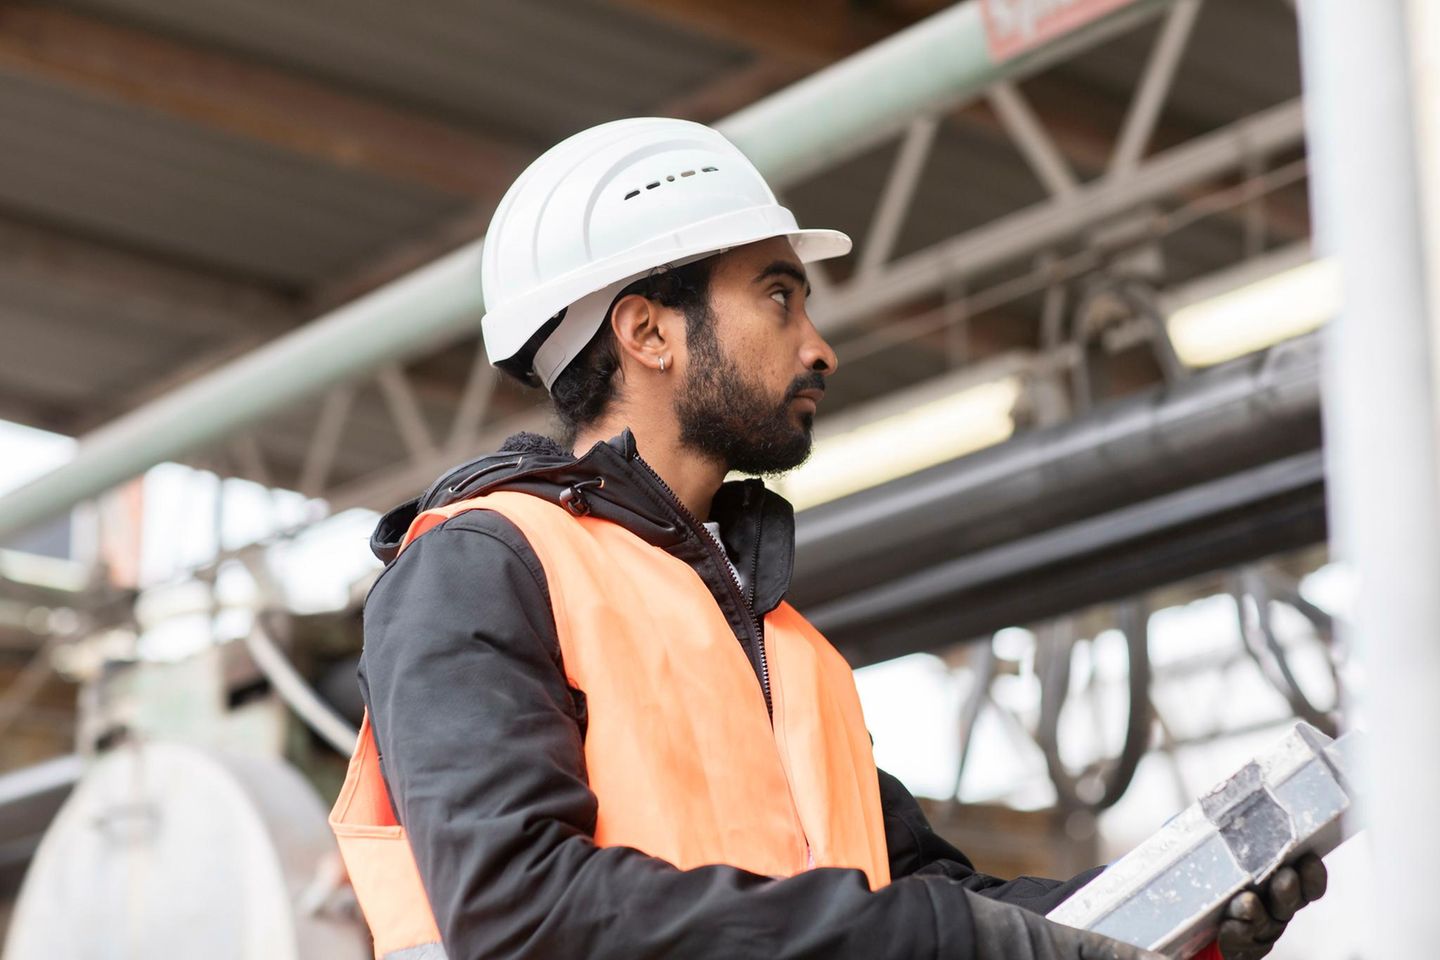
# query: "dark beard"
725,415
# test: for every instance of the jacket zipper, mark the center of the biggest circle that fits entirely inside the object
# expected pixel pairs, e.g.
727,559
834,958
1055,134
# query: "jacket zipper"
757,631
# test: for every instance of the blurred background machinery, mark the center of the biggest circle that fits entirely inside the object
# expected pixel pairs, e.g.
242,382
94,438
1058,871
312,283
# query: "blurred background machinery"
1068,489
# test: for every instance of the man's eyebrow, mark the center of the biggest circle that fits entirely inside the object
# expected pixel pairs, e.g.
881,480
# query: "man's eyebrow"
783,268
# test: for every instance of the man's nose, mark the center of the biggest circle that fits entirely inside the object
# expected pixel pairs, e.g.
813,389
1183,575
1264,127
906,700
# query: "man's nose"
818,355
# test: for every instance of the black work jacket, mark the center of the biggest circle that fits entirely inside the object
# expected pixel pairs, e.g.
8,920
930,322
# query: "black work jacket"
481,744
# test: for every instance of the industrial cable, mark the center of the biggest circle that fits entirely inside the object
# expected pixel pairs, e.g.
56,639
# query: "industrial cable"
1111,775
298,695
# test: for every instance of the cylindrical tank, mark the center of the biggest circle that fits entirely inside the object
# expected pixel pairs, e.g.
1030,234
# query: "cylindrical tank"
166,850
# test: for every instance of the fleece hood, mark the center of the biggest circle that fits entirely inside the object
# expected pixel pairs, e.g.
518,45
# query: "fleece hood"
612,482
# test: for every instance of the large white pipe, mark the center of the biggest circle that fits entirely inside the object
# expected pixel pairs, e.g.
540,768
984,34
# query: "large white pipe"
805,127
1372,182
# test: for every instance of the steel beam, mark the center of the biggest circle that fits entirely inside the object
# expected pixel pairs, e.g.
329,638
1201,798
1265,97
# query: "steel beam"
1154,87
1031,231
831,114
869,97
896,197
325,441
1025,128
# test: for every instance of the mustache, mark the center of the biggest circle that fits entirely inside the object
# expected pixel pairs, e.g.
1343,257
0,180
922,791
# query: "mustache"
809,381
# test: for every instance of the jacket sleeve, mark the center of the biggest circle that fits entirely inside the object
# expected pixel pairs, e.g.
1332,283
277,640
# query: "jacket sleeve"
916,850
481,748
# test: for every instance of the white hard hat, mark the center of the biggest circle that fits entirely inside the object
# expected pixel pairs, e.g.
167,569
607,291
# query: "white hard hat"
605,207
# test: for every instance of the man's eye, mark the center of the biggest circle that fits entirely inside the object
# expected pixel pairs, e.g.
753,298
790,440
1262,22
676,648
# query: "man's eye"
781,297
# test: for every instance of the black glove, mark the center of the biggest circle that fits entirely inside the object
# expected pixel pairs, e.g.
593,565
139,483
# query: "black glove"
1254,920
1003,930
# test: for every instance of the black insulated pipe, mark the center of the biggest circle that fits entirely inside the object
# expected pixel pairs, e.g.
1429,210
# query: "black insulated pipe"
1219,469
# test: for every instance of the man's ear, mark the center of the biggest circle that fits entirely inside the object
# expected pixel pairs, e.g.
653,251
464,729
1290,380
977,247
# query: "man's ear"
641,327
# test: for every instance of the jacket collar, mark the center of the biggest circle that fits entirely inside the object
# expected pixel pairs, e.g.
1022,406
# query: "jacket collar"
611,481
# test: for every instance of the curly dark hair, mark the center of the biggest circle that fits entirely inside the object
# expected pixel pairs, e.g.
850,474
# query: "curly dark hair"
585,389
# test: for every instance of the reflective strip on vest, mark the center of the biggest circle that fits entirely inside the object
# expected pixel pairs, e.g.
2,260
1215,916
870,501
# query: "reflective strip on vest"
680,752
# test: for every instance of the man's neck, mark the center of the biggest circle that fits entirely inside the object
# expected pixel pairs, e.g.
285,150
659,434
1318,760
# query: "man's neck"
693,478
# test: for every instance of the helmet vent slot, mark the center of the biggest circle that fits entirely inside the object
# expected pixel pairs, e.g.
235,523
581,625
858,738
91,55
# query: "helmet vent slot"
669,178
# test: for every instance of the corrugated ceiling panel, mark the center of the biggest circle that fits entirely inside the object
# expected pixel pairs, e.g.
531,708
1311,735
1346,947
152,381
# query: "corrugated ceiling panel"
150,182
533,72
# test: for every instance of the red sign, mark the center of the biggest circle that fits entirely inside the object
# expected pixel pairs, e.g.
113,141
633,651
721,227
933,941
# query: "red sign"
1014,26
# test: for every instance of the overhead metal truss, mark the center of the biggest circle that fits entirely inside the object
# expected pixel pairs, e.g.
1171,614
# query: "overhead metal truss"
1064,216
912,77
344,352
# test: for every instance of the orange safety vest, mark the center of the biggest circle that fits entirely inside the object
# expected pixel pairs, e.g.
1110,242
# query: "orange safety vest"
680,753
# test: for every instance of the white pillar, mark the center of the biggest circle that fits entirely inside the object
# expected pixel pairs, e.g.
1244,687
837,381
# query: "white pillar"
1370,105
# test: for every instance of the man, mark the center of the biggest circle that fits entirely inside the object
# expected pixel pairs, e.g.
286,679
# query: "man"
595,729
